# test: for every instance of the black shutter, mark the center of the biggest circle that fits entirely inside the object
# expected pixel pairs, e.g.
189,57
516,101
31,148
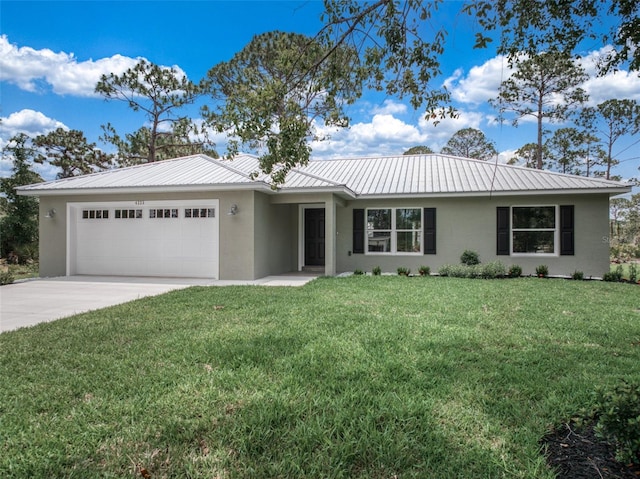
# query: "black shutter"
358,231
566,230
429,231
503,227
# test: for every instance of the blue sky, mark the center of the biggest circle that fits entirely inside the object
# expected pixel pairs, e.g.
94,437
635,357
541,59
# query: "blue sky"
52,54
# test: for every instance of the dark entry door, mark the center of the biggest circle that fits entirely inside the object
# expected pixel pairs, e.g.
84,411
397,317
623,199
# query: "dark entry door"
314,237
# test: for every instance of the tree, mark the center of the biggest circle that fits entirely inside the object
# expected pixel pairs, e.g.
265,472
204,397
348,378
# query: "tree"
560,25
159,93
470,143
617,119
565,150
418,150
20,224
69,151
273,91
625,222
401,47
398,48
134,147
526,155
545,87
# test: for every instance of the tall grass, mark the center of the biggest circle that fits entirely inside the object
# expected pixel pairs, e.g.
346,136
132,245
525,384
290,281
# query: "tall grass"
361,377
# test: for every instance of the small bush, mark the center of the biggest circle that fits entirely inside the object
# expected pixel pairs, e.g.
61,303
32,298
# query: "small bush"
424,270
470,258
613,276
617,414
444,270
577,275
542,271
494,269
358,272
515,271
402,271
6,277
633,272
376,271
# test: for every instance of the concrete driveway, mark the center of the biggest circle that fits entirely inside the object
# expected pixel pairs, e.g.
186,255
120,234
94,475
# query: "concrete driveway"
41,300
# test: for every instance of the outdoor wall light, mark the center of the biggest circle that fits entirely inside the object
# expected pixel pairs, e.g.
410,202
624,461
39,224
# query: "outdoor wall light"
51,213
233,211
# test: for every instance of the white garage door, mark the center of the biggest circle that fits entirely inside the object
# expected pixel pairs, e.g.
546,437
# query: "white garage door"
151,238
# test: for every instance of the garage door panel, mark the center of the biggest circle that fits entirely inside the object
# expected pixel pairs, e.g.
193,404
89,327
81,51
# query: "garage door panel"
144,245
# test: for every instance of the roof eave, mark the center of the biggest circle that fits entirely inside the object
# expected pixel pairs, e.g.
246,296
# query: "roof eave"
259,186
341,191
488,194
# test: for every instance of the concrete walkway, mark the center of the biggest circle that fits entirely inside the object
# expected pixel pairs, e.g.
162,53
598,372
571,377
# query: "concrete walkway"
41,300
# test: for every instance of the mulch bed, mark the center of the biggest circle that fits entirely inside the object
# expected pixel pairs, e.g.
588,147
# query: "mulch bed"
576,453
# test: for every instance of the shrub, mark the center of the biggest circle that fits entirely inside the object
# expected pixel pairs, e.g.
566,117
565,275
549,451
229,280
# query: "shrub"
494,269
402,271
515,271
491,270
469,258
577,275
6,277
376,271
444,270
617,414
633,272
614,276
424,270
358,272
542,271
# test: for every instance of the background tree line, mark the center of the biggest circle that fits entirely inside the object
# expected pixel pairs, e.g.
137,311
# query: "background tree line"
268,97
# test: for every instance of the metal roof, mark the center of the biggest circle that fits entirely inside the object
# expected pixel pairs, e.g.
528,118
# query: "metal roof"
419,175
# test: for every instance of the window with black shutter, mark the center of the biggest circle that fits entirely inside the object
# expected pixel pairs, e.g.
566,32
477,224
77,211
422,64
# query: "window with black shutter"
566,230
429,231
503,230
358,231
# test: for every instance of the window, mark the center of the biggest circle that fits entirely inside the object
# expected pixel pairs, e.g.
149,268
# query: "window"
128,214
199,213
95,214
163,213
533,229
394,230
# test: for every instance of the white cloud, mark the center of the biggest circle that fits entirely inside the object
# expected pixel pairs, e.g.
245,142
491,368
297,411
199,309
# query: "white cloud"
384,135
388,135
439,134
27,121
481,83
31,123
390,107
614,85
32,70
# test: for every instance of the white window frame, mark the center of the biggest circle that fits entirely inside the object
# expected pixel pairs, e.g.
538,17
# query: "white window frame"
394,232
556,232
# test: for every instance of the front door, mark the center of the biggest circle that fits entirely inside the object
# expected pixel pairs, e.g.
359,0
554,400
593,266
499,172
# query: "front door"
314,237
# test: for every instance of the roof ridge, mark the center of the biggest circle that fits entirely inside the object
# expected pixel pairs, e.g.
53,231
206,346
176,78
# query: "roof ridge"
226,166
316,177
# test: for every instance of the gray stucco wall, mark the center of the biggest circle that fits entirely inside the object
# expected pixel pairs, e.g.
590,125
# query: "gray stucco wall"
263,238
236,232
272,238
470,223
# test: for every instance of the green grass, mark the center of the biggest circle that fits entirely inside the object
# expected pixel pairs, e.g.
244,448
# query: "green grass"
361,377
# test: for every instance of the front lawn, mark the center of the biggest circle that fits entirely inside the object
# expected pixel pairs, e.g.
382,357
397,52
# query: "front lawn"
361,377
